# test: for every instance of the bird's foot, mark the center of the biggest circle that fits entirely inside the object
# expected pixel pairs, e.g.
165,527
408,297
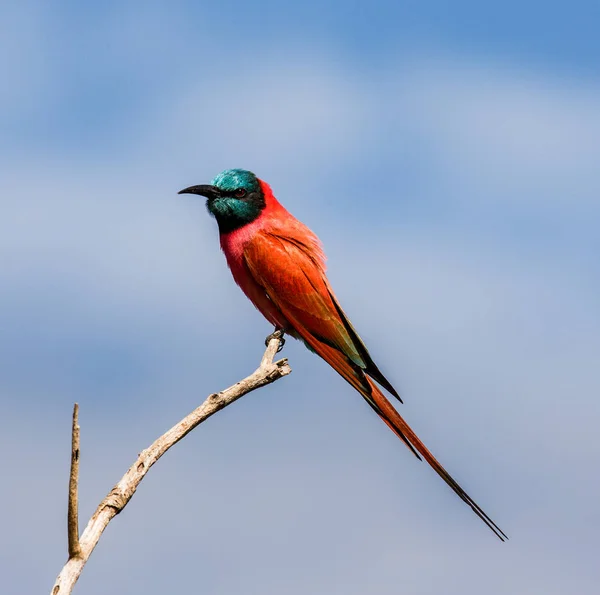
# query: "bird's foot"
276,334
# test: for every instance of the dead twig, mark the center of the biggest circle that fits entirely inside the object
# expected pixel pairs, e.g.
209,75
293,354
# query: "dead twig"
81,549
73,513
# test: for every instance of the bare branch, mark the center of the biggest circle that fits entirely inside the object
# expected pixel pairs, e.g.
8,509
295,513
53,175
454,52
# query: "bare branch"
121,494
73,514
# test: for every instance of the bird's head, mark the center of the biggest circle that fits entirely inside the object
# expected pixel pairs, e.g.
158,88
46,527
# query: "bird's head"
234,198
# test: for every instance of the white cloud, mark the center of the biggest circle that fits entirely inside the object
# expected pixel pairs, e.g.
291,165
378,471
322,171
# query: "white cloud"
504,134
274,117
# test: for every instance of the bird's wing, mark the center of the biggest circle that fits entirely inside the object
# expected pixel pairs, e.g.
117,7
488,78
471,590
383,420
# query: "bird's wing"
294,280
292,274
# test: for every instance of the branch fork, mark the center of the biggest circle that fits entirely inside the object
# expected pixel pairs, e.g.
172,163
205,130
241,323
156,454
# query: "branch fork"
80,548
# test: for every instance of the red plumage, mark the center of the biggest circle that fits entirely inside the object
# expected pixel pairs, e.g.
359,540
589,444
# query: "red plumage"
279,264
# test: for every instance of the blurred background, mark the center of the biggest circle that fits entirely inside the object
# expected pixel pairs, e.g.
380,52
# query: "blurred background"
447,156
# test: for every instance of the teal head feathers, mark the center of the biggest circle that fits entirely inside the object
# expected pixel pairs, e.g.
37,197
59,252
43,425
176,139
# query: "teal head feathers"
234,198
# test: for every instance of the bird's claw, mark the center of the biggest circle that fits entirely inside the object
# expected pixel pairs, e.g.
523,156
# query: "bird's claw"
276,334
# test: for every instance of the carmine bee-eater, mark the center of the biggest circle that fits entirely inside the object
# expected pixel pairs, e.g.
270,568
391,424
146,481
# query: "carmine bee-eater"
279,264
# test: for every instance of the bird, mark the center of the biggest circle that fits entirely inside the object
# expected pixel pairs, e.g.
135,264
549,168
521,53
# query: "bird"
279,263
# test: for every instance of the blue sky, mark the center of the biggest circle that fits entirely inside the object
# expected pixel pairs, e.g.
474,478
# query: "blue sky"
448,160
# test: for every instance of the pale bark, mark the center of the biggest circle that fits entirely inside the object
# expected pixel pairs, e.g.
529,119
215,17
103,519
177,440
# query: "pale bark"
81,549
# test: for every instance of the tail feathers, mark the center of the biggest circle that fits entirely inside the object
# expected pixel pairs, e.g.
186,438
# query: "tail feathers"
376,399
390,424
356,377
395,421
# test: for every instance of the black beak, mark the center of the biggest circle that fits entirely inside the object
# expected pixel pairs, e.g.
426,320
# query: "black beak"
203,190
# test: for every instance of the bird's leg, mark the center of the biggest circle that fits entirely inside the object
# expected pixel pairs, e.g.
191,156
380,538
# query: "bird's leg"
276,334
